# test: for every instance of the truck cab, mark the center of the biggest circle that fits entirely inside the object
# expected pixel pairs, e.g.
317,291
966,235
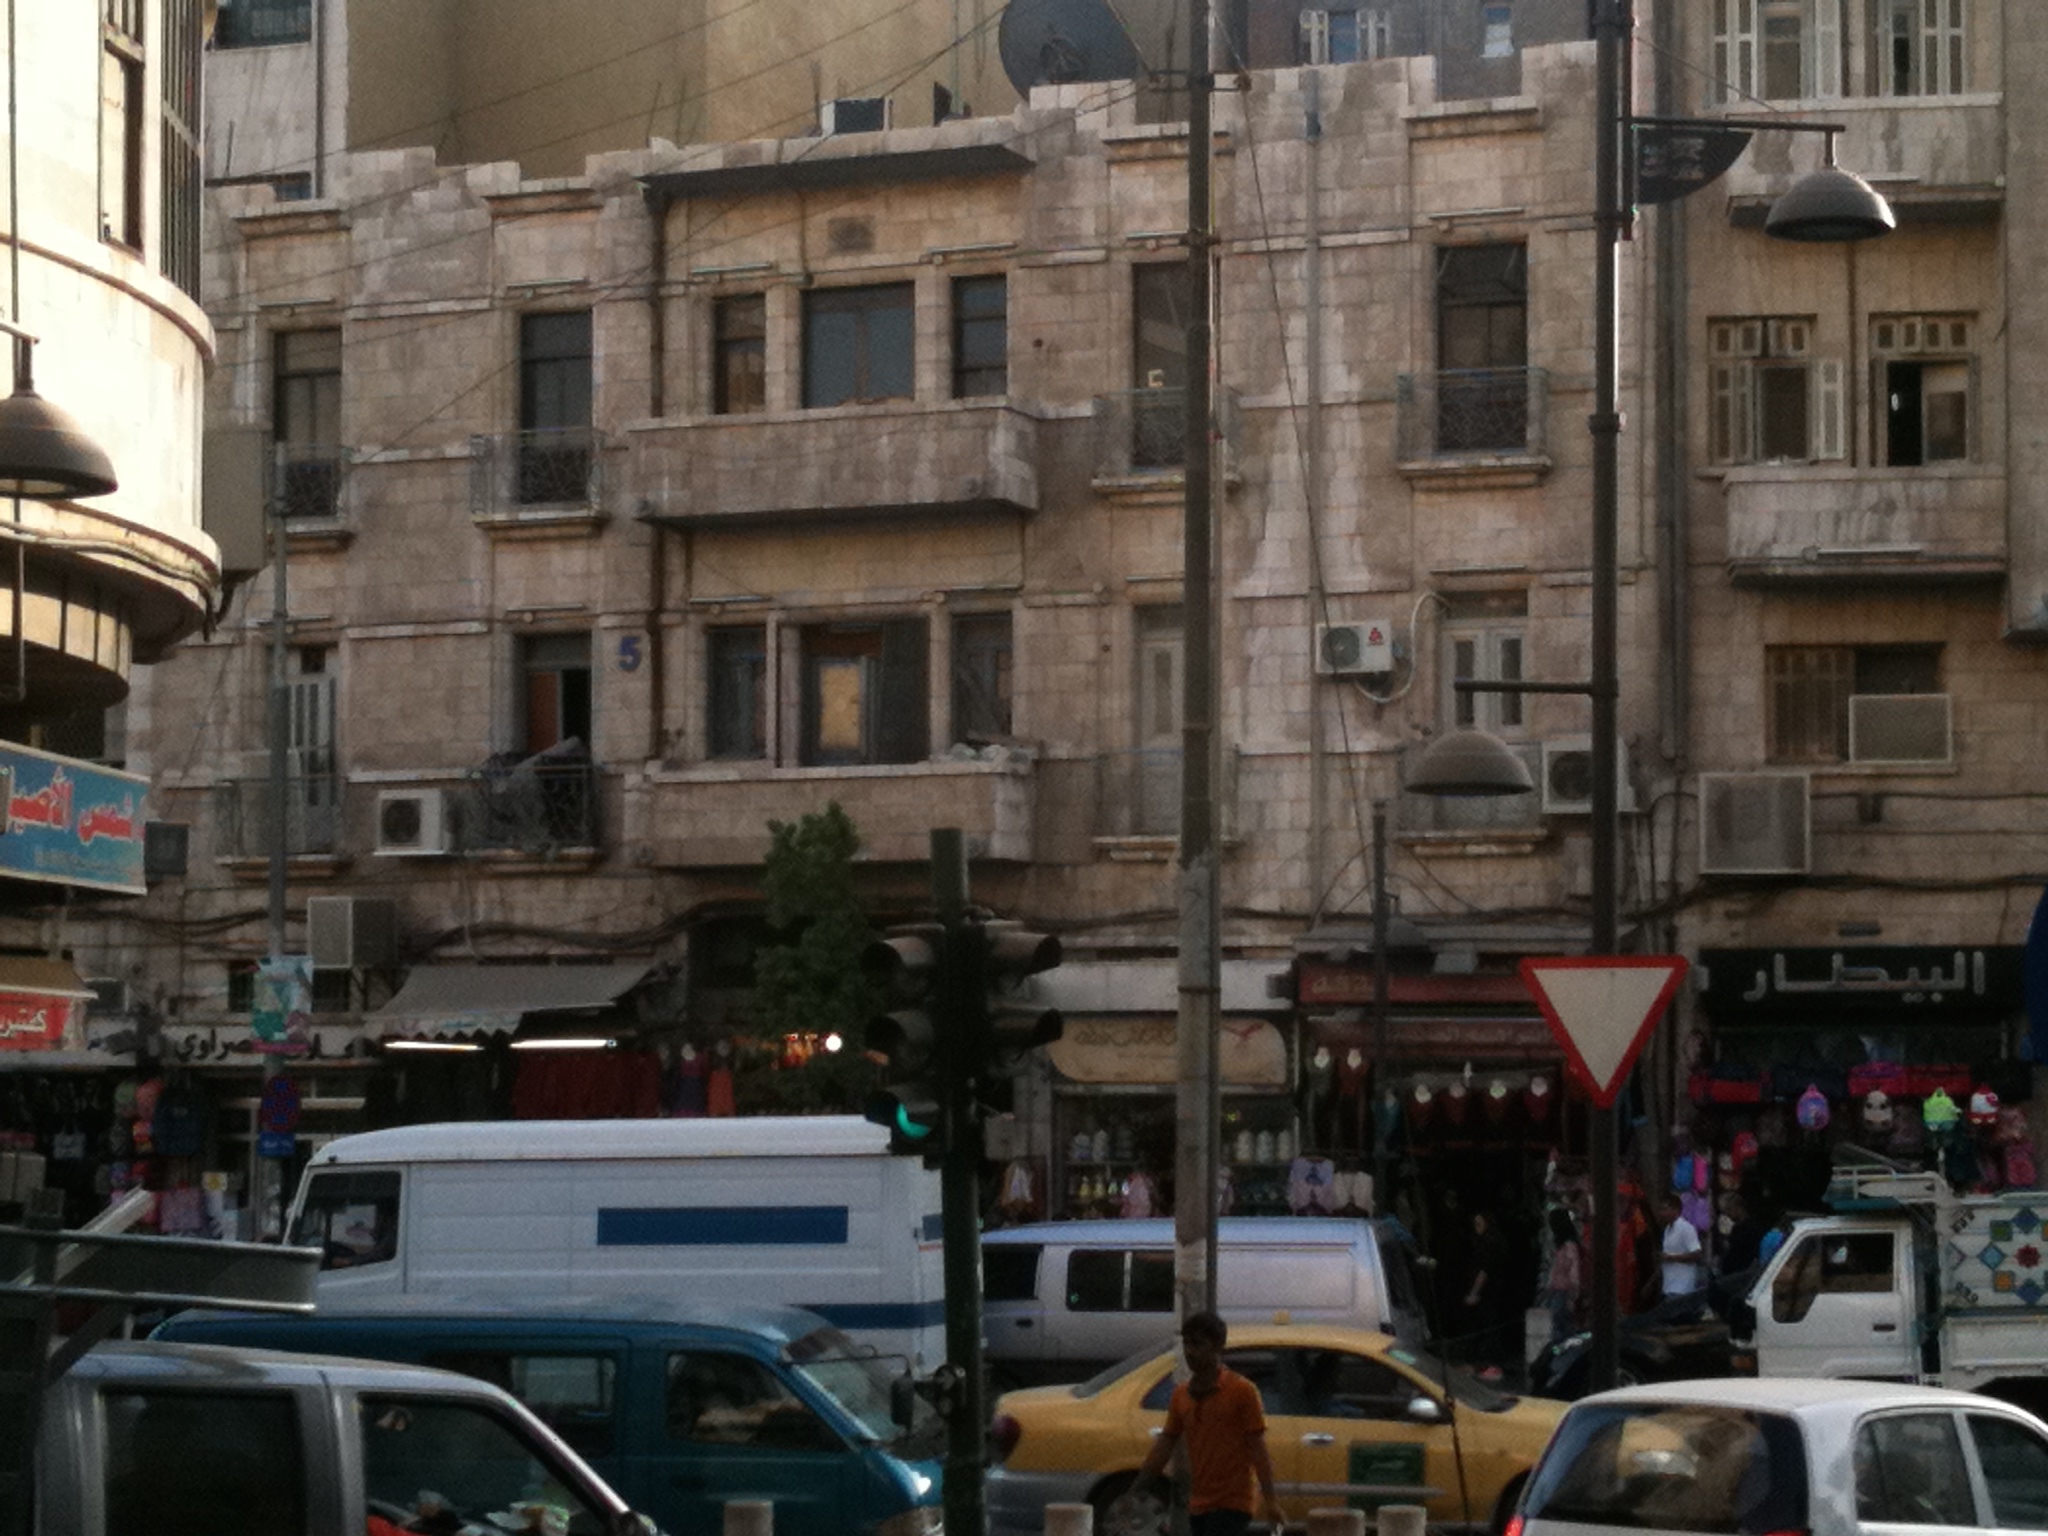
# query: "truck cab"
1838,1299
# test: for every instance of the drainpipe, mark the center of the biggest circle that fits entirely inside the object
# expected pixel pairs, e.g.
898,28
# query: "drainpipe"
1312,489
658,205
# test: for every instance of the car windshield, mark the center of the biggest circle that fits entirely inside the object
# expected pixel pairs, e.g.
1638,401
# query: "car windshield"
1673,1467
1111,1374
1465,1387
860,1382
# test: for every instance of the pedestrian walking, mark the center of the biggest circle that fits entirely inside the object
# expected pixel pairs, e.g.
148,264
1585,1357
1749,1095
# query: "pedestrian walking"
1684,1268
1486,1291
1223,1421
1564,1288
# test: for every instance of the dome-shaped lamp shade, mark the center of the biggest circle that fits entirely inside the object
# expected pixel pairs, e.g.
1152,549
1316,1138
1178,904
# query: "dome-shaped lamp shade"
44,454
1470,763
1830,205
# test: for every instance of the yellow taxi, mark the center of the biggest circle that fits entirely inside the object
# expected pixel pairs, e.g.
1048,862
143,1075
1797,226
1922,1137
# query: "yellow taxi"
1350,1415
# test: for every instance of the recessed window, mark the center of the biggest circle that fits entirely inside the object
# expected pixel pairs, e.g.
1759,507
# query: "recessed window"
859,344
179,184
1778,50
1498,37
1483,641
1344,36
121,123
555,691
554,407
981,678
1925,366
1770,397
1482,300
306,421
739,354
1159,365
737,659
865,695
981,336
263,23
1810,686
1921,48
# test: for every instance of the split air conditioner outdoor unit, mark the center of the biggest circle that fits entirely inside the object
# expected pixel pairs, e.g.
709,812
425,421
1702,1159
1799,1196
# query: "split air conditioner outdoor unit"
1566,782
1351,650
412,821
345,932
1756,824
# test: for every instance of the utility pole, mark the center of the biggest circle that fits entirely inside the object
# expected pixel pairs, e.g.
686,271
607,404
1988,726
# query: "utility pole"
267,1176
1197,1104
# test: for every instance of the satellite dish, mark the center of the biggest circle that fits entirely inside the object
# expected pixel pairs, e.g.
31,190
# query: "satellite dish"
1060,42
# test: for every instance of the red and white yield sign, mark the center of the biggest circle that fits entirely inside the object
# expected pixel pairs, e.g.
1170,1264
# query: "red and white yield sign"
1602,1008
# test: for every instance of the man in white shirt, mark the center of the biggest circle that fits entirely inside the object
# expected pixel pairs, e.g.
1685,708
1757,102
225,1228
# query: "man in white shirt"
1684,1263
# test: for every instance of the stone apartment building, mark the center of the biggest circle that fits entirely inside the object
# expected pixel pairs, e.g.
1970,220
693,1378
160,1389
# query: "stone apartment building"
628,510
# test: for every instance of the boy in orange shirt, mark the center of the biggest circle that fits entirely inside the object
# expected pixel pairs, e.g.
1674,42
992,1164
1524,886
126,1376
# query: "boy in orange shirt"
1220,1415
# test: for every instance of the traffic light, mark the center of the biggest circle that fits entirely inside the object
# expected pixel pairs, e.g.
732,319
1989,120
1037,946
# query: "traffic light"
1006,1023
905,968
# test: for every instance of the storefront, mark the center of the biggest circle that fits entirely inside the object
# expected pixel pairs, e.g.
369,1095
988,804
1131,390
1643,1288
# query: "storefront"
1808,1049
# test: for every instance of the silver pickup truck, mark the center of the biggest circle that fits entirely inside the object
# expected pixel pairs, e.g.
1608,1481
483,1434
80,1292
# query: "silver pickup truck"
142,1438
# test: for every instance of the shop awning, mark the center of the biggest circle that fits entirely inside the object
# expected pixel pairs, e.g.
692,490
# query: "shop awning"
1138,1048
447,1000
38,999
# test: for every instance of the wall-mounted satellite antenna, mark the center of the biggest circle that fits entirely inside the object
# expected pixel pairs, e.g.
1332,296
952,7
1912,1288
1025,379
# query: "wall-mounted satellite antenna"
1060,42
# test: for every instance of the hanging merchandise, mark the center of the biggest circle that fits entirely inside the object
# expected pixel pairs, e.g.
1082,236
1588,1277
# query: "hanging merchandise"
1813,1109
1938,1110
1983,1114
1877,1110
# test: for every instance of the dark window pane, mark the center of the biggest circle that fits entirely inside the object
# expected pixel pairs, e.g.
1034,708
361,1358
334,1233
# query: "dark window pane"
2015,1462
1151,1282
1009,1272
981,678
980,336
1649,1466
1898,668
858,344
864,693
219,1462
1095,1281
739,380
476,1464
1910,1470
739,692
1160,341
1781,412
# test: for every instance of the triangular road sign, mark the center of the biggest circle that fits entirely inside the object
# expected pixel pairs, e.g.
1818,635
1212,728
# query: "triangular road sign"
1602,1008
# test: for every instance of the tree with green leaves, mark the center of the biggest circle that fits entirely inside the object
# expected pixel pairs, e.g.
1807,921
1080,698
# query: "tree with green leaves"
809,981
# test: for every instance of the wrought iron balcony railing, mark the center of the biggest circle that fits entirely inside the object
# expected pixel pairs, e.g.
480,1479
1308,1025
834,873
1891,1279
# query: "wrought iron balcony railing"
243,816
310,477
531,805
1137,793
1472,412
553,467
1144,431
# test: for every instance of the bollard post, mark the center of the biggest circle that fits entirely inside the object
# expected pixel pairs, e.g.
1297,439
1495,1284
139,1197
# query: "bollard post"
1069,1520
1400,1520
750,1517
1336,1522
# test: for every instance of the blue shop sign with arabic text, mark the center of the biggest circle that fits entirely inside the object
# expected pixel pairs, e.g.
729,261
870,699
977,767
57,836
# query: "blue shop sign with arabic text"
72,823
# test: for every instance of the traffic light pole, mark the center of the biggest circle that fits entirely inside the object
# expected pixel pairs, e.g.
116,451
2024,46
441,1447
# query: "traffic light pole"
959,1003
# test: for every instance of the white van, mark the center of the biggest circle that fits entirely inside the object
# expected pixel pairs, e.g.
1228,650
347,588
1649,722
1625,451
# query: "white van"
807,1211
1061,1299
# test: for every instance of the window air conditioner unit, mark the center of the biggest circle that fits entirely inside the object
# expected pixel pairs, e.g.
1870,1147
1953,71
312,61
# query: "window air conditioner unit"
1755,824
1900,728
345,932
1566,782
854,114
412,821
1350,650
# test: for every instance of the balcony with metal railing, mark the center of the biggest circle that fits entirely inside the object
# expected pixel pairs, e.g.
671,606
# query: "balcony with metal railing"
243,817
1466,423
529,805
1137,795
544,478
1141,438
311,480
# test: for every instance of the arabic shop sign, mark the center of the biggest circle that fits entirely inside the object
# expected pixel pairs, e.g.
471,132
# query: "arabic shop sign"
1823,983
72,823
34,1021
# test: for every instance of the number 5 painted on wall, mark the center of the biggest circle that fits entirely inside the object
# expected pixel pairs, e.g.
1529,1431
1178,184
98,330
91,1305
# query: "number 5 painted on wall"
629,653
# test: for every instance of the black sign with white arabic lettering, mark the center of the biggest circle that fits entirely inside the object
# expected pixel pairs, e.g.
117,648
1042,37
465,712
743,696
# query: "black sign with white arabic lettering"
1674,162
1816,984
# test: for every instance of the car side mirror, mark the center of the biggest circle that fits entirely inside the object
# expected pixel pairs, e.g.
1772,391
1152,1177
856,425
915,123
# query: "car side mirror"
1425,1410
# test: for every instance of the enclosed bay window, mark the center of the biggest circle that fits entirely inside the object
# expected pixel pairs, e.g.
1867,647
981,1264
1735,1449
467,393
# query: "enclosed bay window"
737,662
1343,36
1924,368
1770,399
981,336
739,354
981,678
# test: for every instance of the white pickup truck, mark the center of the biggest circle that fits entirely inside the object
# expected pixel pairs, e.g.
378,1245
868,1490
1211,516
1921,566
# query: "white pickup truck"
1907,1281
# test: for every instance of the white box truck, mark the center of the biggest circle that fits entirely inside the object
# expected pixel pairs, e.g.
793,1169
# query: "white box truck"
1908,1281
805,1211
